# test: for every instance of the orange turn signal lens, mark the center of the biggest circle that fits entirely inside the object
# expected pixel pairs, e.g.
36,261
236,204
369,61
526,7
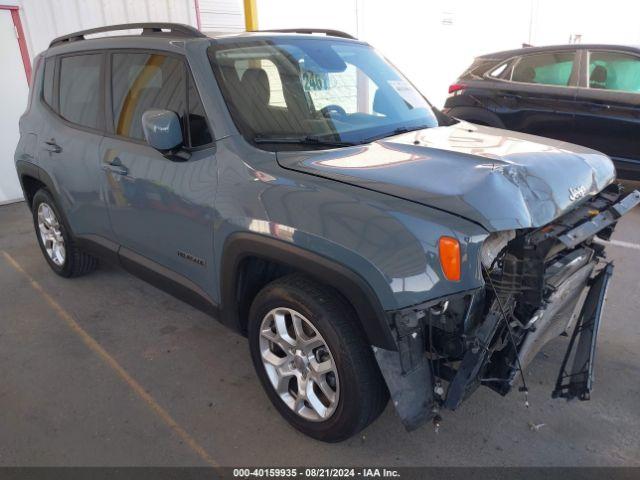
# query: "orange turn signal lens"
449,249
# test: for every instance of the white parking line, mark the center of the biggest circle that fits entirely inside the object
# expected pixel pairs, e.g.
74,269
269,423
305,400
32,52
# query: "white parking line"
619,243
137,388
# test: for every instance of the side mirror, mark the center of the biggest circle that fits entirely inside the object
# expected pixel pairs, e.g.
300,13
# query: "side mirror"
162,130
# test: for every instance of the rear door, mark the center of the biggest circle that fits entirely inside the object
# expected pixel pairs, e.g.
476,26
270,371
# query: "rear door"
72,129
161,209
539,95
608,107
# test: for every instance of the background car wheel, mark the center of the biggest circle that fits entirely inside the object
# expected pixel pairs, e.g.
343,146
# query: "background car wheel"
313,359
56,243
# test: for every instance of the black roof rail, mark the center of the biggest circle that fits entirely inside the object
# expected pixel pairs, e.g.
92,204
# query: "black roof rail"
177,29
328,32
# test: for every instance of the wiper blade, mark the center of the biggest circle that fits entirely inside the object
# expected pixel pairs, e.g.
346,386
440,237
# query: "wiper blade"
308,140
397,131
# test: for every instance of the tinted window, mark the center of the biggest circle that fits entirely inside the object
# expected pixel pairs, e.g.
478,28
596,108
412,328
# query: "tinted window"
545,68
47,87
142,81
80,89
614,71
198,130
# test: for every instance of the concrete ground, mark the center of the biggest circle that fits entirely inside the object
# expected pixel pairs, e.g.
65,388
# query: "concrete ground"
107,370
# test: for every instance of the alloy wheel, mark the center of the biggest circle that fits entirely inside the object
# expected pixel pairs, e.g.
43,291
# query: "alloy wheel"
51,234
299,364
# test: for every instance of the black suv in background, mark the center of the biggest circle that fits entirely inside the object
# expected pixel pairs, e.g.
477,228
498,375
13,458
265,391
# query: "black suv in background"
584,94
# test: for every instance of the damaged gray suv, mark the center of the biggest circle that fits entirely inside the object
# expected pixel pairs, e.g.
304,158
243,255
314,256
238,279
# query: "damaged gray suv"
301,190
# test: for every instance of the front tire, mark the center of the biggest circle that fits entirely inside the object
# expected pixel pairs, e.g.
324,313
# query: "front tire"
313,359
57,245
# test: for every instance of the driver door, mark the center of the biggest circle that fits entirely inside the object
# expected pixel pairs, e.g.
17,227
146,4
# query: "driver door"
161,210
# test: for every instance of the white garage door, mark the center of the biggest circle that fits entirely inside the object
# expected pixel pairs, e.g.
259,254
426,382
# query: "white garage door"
221,15
14,91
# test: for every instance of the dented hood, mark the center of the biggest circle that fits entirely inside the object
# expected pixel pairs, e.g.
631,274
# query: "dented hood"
497,178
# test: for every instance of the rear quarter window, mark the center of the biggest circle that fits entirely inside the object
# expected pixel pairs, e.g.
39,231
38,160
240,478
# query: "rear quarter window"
503,71
48,82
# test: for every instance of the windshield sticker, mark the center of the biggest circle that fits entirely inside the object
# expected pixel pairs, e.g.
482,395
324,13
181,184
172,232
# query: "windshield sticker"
407,92
315,81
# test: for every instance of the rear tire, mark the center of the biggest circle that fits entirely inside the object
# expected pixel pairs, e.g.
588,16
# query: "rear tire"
357,386
55,240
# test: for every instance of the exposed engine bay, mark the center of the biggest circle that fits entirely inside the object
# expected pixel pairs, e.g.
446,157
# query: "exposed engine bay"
539,284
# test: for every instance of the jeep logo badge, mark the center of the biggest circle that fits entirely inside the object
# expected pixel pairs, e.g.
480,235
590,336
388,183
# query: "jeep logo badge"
577,192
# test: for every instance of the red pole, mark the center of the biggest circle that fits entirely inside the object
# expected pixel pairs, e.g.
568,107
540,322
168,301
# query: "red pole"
198,19
22,42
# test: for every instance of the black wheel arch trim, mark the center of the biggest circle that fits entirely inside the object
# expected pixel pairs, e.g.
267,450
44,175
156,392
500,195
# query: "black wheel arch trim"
28,169
354,287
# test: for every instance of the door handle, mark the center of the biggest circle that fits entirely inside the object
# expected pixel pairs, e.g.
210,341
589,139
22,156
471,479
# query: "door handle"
116,166
53,146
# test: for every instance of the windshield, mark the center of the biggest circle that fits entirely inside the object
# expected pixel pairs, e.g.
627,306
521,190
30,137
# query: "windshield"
296,92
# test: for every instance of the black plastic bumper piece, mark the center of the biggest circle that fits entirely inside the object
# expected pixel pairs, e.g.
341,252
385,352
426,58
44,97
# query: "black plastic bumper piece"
472,362
578,381
411,392
406,370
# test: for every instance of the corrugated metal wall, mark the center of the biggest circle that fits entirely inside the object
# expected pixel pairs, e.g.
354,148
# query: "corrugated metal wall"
222,15
43,20
47,19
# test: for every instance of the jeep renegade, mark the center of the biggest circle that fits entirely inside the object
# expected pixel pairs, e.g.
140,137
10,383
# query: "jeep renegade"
301,190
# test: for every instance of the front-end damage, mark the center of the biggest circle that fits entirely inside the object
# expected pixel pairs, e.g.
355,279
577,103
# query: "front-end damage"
539,284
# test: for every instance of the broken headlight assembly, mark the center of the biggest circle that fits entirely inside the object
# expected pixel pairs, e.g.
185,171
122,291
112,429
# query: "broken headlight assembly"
493,245
538,284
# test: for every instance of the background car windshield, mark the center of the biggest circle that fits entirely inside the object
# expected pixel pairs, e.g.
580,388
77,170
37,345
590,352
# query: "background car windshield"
333,90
